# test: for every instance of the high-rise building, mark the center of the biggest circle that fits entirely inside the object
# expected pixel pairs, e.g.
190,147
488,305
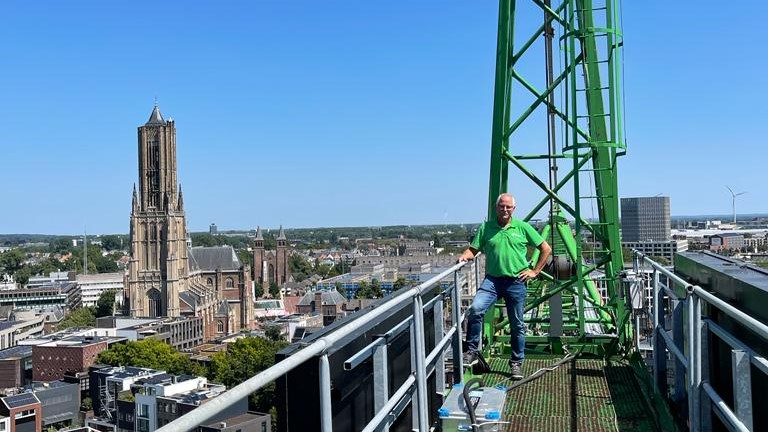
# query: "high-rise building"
645,219
646,226
166,276
158,266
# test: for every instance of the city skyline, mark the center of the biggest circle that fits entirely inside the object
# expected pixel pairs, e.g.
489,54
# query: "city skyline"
368,130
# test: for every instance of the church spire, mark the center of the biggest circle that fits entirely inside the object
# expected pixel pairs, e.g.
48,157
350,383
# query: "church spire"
258,244
135,201
281,238
155,118
181,199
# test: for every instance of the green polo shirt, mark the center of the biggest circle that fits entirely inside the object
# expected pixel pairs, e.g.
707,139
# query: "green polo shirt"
506,248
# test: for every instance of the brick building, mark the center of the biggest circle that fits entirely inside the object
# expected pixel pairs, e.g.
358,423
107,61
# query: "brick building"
21,413
270,266
51,360
15,366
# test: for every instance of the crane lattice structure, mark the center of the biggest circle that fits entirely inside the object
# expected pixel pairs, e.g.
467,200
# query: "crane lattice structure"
579,300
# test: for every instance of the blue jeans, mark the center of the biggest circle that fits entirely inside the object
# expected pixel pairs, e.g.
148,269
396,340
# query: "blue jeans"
512,290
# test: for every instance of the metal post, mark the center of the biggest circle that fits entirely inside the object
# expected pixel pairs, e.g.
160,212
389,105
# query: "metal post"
421,372
458,366
677,336
414,400
380,380
326,419
659,349
437,314
705,404
742,386
694,363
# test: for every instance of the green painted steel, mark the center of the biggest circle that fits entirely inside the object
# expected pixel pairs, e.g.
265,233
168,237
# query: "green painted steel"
581,100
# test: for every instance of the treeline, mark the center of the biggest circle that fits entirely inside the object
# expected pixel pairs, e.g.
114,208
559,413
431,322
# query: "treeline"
59,255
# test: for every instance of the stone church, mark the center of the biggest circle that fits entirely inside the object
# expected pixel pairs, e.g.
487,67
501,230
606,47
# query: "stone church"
166,276
270,266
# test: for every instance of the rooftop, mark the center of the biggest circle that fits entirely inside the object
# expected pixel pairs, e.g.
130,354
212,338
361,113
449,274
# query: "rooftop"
19,351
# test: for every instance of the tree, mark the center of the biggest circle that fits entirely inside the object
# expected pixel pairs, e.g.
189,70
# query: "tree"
80,317
340,288
258,290
22,275
111,242
243,359
274,333
300,268
399,283
376,289
86,404
12,261
660,259
274,290
150,353
363,290
105,305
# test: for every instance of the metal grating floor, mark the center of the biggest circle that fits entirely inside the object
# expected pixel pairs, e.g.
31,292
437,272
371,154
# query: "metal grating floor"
582,395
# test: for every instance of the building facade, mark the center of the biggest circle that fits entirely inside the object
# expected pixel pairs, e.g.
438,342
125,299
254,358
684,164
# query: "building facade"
270,266
21,413
645,219
93,285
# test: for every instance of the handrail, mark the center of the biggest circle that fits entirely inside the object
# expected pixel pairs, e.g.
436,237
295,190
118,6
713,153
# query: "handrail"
691,352
208,410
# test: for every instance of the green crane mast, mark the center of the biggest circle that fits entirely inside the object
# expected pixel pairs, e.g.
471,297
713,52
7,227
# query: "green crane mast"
581,105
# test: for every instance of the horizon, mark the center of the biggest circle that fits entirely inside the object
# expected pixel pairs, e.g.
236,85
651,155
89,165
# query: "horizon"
390,106
270,229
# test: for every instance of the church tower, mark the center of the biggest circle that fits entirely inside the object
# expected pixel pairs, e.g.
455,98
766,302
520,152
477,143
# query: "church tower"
260,266
282,258
158,269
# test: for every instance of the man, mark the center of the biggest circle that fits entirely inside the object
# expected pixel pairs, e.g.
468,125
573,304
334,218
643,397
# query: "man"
504,242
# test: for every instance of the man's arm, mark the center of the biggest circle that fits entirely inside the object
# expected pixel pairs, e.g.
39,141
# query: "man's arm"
467,255
544,251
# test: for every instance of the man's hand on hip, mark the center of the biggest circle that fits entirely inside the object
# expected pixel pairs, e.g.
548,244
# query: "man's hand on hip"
527,274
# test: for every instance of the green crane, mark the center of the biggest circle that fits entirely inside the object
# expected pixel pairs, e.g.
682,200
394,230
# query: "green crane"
580,104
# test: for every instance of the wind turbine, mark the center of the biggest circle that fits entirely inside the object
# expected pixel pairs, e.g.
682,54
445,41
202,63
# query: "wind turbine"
734,201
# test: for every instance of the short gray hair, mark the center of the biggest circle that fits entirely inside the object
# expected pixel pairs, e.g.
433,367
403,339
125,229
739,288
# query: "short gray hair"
498,199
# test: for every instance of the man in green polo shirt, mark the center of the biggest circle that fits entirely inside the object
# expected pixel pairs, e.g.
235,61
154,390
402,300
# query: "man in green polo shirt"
505,243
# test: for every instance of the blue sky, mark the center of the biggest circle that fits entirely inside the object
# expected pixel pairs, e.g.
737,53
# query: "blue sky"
344,113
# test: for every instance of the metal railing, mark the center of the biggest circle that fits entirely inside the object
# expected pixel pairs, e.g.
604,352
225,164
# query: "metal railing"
689,348
387,407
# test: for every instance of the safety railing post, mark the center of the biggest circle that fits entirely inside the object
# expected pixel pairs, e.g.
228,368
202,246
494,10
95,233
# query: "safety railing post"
694,361
458,366
705,404
419,357
678,337
326,414
380,380
742,386
437,316
659,347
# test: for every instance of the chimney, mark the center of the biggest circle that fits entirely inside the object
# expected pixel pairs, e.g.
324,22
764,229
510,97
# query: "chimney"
318,300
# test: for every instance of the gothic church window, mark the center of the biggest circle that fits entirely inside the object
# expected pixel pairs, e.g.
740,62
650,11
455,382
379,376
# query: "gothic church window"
209,282
220,326
230,283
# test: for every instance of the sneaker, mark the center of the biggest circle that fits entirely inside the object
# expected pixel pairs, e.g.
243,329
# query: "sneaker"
516,369
470,358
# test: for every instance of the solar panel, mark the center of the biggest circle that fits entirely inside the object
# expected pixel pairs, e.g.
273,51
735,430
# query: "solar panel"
20,400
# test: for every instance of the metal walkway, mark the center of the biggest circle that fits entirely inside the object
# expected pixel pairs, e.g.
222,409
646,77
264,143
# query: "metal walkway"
580,395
